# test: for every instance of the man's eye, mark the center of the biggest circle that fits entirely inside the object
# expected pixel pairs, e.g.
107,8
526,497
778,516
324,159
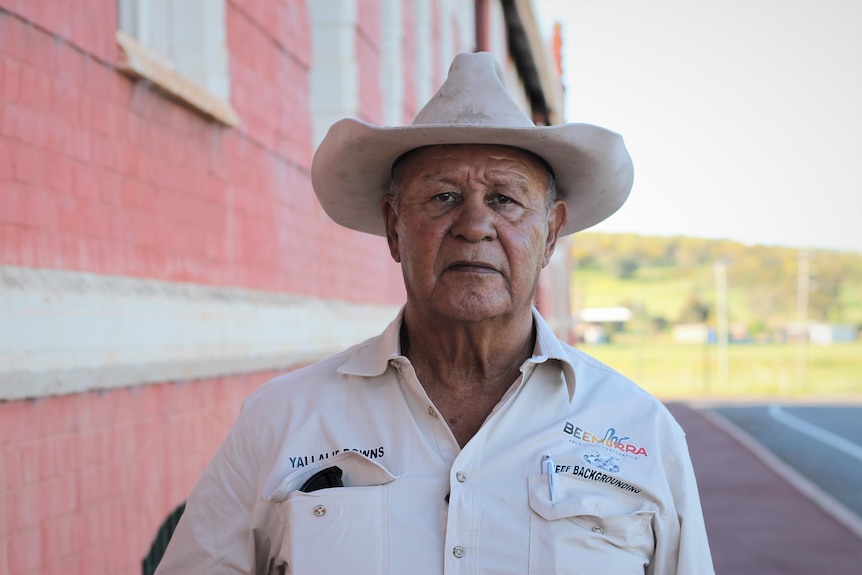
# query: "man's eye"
502,200
445,197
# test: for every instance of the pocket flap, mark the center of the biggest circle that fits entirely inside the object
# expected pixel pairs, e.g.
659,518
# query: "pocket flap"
565,504
621,514
358,471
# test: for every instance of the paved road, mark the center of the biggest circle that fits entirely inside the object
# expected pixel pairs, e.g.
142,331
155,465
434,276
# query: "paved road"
759,518
822,442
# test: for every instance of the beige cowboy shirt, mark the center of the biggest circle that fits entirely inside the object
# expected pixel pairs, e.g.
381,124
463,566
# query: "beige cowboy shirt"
576,470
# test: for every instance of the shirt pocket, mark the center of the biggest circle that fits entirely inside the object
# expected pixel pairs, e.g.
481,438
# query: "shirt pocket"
340,529
588,528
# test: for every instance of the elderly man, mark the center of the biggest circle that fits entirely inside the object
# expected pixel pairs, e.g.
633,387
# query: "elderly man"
466,438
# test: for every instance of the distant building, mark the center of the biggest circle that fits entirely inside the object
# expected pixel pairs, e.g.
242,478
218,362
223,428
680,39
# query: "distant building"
693,333
820,333
616,315
594,325
828,333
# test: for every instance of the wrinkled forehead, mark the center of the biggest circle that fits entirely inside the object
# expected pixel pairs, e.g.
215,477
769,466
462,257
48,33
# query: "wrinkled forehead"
457,156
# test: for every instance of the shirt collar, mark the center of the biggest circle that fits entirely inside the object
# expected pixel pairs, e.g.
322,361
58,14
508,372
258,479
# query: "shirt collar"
549,347
371,358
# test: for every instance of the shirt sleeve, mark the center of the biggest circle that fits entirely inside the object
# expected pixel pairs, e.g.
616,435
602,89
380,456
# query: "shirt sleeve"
215,533
682,547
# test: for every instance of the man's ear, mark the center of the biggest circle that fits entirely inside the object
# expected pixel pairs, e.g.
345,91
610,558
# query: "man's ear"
390,220
556,221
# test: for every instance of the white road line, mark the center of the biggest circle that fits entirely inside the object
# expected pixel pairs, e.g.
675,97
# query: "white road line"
826,501
815,432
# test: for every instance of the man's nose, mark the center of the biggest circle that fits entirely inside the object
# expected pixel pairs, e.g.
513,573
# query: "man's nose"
474,221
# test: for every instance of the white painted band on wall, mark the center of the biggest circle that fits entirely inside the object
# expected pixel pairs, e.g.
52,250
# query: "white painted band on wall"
67,332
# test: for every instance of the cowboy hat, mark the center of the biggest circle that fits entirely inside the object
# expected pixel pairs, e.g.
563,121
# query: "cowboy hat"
351,169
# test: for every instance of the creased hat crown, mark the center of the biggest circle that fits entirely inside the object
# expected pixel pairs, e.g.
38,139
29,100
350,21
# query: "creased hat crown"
351,170
474,94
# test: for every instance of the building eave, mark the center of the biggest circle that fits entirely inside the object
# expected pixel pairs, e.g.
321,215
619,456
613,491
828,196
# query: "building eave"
532,59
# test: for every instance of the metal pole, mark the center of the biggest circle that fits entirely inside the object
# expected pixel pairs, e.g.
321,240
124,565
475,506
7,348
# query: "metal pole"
803,286
721,321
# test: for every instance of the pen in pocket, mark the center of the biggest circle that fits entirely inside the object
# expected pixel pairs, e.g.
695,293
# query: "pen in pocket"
548,467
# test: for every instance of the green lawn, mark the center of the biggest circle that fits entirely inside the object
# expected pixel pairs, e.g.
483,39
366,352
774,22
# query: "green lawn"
665,292
658,291
671,370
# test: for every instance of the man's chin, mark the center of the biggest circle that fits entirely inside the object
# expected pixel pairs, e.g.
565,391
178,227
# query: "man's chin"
474,308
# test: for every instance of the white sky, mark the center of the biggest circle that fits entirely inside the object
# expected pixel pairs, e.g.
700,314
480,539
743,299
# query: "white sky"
743,117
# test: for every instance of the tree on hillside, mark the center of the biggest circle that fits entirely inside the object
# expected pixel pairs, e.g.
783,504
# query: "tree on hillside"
829,273
695,310
763,280
626,267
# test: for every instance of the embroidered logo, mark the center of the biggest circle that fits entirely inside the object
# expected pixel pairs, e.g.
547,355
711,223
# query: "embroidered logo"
610,439
608,464
598,476
303,460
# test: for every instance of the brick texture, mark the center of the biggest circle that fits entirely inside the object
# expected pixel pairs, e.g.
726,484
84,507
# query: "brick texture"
86,480
104,174
368,55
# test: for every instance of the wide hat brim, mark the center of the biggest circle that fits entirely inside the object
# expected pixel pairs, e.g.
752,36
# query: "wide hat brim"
351,170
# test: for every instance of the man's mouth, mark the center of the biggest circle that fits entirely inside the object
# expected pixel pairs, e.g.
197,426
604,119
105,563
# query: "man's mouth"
471,267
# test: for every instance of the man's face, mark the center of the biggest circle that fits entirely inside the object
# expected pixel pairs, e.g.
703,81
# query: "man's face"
472,229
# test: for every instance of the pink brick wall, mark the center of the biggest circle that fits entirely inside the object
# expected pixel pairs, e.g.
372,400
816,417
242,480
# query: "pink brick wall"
88,25
368,54
438,66
103,174
410,105
85,480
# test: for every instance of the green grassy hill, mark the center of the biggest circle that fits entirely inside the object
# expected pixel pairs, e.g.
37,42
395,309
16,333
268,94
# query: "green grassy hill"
671,280
670,370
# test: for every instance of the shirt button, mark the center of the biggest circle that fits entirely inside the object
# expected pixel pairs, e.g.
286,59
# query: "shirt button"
598,529
319,510
432,412
460,477
458,551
